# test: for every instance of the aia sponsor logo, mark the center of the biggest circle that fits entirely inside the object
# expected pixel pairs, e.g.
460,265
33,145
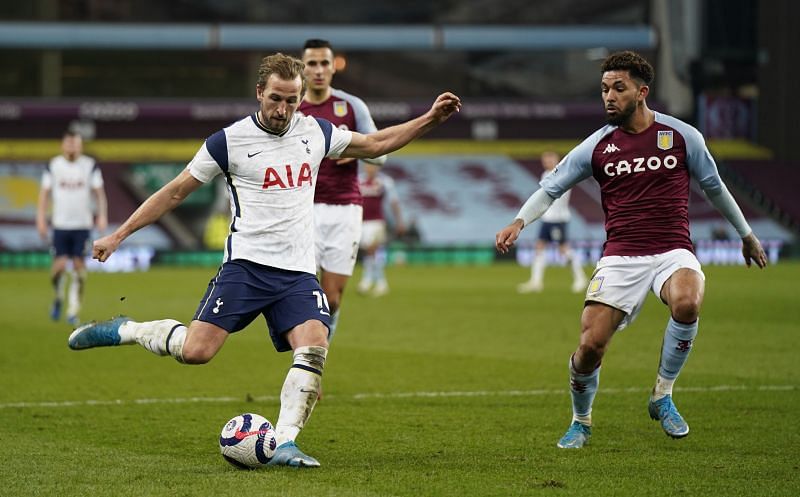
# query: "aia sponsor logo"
68,184
287,176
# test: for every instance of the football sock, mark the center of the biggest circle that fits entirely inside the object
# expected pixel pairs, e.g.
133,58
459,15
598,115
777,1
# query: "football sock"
663,387
59,281
678,340
300,391
582,388
577,270
378,274
369,264
164,337
75,293
334,324
537,267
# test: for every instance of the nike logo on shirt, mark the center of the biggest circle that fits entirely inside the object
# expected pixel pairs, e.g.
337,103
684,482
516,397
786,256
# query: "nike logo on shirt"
249,155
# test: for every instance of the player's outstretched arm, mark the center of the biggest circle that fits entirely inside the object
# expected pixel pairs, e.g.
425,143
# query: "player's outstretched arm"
506,237
753,251
395,137
151,210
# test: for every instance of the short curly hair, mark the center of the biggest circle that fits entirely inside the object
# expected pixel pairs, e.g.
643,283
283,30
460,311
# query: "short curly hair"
635,64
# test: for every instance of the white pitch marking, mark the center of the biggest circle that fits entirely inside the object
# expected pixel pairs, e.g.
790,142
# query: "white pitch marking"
395,395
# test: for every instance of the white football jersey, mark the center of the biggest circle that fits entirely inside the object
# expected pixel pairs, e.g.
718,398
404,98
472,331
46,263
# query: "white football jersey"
271,180
71,184
559,210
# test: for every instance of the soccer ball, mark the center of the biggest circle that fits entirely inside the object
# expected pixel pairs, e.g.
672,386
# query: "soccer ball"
247,441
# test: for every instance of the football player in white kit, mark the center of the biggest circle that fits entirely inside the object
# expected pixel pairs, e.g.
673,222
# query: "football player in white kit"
553,231
270,161
72,181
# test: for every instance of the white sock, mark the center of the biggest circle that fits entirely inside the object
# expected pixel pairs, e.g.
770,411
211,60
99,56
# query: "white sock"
663,387
164,337
300,392
75,292
334,324
59,281
584,420
537,268
577,271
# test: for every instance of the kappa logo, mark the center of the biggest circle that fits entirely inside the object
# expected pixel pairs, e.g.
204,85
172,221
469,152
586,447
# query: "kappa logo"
611,148
215,310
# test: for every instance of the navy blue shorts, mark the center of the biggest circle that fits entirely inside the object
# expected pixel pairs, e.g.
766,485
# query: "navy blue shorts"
553,232
72,243
242,290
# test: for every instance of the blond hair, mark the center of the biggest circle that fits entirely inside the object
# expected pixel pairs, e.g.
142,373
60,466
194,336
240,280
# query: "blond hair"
284,66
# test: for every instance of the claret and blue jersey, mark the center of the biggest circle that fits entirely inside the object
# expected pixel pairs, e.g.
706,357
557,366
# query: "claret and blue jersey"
644,182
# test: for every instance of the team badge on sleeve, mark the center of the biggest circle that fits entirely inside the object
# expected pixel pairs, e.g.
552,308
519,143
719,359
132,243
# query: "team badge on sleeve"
340,108
665,140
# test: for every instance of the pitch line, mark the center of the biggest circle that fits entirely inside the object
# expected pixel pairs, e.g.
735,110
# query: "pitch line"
394,395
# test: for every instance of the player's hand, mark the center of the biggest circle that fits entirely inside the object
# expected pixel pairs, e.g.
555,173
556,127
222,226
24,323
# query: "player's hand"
102,224
342,162
42,229
753,251
444,106
506,237
104,247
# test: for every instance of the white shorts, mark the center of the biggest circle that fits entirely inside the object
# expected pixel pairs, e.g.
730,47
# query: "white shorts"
373,232
336,236
622,282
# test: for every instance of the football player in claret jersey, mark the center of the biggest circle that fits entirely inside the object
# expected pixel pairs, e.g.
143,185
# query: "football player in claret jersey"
337,200
643,161
270,161
378,190
72,181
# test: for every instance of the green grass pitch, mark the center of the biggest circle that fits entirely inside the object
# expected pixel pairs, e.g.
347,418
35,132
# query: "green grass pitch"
452,385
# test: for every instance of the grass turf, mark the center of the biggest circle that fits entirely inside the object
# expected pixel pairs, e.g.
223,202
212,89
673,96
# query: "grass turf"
451,385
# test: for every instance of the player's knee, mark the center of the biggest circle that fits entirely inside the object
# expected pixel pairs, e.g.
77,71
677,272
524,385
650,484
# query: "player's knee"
197,353
685,309
588,356
312,333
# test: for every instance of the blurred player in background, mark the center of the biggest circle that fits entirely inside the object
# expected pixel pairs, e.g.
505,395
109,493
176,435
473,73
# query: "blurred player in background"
553,231
337,200
270,160
74,184
643,161
377,190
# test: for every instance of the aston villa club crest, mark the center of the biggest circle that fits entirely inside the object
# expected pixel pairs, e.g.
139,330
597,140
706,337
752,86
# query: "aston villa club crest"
340,108
665,140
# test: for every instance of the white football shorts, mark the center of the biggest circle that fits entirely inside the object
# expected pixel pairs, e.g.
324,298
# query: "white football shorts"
373,232
336,236
622,282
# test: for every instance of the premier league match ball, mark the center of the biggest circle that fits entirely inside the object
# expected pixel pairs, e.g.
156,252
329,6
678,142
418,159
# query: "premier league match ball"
247,441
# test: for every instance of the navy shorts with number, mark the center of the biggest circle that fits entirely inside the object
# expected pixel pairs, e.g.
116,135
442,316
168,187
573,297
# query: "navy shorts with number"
72,243
242,290
553,232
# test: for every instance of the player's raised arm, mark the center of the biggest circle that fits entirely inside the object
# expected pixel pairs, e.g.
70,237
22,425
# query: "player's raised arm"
395,137
151,210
